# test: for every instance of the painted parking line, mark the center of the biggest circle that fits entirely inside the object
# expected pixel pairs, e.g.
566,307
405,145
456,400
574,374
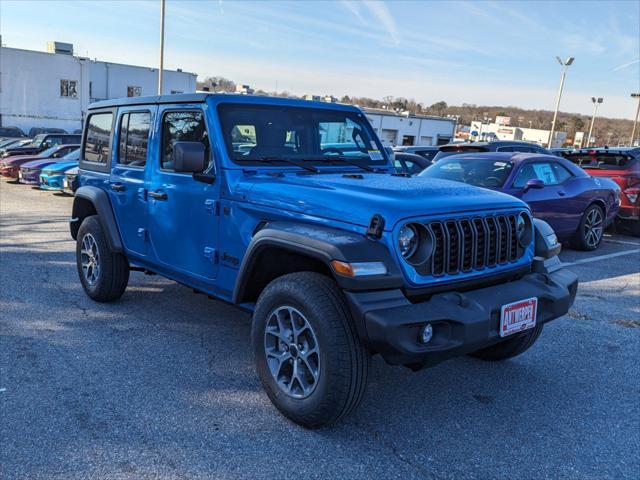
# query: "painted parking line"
622,242
601,257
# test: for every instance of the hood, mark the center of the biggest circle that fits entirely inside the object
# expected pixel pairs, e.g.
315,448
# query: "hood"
355,200
60,166
38,163
16,160
72,171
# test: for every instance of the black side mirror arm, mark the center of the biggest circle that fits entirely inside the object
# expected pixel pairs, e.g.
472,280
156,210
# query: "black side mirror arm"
208,178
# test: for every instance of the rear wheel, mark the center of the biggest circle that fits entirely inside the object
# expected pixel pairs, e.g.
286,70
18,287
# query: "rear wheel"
589,234
104,274
511,347
307,352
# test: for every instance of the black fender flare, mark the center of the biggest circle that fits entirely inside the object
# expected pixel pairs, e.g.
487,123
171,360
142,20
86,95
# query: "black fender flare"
324,244
102,205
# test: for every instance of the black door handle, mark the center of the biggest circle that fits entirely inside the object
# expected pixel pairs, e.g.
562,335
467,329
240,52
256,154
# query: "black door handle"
159,195
117,187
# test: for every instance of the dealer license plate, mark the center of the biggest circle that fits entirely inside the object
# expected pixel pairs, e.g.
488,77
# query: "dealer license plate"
518,316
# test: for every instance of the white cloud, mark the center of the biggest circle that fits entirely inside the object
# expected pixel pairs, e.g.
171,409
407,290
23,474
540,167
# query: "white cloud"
625,65
377,10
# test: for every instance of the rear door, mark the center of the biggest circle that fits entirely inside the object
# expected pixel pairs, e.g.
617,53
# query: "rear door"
183,213
128,183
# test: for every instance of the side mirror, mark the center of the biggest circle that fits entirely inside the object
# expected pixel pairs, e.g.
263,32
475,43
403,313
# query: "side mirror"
189,157
534,183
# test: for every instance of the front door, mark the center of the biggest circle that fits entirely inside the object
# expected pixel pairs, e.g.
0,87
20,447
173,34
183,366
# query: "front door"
127,188
183,214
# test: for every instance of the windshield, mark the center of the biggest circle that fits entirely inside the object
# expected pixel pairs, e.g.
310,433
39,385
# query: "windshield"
601,161
37,140
10,132
48,152
258,134
74,155
483,172
457,150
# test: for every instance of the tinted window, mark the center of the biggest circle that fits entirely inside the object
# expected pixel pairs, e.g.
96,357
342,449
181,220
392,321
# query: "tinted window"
603,161
185,126
474,171
541,170
134,139
96,147
456,150
562,173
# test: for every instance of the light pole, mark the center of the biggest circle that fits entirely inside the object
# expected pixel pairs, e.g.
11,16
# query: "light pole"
635,121
596,102
564,65
160,72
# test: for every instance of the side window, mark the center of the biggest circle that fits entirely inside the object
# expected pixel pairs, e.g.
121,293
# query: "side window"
505,149
184,126
52,141
134,139
562,174
542,171
96,145
398,165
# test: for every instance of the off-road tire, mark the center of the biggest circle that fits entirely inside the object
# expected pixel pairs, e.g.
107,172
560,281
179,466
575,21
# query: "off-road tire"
344,361
579,241
511,347
113,275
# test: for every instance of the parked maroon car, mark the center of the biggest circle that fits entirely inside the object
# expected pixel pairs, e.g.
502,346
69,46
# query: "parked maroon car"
10,166
577,206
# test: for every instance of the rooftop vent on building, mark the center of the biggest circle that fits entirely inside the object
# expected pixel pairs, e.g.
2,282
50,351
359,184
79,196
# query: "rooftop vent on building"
60,47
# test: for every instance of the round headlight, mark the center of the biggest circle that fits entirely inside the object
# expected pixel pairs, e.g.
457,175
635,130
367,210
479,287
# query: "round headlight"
407,241
524,229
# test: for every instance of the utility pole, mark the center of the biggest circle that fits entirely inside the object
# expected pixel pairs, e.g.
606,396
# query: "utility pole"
635,121
596,102
564,65
161,71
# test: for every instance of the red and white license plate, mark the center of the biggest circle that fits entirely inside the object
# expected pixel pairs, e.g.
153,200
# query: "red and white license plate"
518,316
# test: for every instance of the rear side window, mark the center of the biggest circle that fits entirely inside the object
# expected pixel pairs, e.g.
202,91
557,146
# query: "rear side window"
134,139
183,126
540,170
96,146
602,161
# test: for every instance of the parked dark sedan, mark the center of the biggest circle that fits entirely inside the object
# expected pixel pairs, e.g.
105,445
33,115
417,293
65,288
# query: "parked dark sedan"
42,142
423,150
11,132
409,164
38,130
577,206
497,146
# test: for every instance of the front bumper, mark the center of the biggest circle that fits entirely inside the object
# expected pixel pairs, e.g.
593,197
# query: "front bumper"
462,322
51,182
30,178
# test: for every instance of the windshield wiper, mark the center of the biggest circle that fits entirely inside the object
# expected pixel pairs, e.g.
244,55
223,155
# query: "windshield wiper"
345,159
310,168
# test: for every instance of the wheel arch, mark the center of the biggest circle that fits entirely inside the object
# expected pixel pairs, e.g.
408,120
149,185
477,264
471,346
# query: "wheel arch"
95,201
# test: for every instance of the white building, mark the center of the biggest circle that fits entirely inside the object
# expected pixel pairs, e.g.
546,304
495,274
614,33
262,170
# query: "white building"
500,131
396,129
54,88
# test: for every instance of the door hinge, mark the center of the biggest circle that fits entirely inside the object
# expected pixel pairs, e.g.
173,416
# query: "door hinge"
212,206
211,254
142,233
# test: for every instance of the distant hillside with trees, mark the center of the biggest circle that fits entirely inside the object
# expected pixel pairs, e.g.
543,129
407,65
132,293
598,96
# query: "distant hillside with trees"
607,131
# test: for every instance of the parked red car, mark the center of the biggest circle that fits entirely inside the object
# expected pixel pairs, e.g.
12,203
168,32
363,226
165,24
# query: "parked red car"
10,166
621,165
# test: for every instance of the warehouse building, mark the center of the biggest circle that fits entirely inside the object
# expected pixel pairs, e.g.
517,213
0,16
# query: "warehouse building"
501,130
396,129
54,88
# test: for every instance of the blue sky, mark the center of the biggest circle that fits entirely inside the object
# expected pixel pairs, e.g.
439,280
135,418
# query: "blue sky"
494,52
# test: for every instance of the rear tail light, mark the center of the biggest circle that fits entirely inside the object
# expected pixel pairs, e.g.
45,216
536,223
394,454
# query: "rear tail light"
632,194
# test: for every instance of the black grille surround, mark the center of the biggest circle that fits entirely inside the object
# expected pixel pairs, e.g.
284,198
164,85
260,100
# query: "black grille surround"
473,243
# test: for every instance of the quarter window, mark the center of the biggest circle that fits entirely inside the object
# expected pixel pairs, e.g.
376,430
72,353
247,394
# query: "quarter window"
562,174
134,139
184,126
96,146
69,88
541,170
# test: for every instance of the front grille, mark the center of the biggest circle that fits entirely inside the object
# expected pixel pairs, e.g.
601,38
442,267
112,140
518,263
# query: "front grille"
467,244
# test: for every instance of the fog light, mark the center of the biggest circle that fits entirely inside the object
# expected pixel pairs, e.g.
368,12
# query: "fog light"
427,333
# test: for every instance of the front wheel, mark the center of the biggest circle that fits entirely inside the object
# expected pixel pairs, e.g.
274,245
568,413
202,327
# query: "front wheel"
307,353
590,231
104,274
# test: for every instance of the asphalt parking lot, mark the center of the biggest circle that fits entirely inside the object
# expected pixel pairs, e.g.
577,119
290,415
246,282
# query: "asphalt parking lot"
161,383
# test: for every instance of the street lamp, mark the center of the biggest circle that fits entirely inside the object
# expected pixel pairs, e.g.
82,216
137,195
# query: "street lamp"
635,121
596,102
160,71
564,65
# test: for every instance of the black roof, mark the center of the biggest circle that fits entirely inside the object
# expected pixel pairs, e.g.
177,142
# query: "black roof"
497,143
154,99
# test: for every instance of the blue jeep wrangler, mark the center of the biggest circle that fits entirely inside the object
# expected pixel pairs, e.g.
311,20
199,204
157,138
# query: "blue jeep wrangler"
292,210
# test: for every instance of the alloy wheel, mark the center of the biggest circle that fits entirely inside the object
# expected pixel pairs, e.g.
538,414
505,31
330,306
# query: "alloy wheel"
593,228
90,259
292,351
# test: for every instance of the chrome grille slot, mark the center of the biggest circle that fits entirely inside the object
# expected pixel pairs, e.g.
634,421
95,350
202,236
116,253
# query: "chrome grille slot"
466,244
